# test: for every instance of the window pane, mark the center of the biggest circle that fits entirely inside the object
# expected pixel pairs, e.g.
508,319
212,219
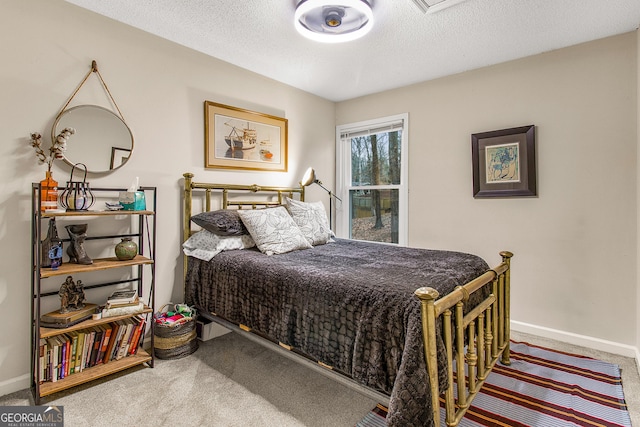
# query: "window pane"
374,215
371,180
375,159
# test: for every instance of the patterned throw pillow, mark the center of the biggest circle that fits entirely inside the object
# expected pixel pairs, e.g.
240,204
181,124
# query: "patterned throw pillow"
222,222
205,245
273,230
312,220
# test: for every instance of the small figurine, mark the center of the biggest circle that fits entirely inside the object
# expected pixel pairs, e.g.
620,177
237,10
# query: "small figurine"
65,292
77,299
71,295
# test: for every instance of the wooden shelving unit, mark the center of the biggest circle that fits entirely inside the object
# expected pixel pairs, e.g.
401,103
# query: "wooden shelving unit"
95,372
98,264
50,332
141,266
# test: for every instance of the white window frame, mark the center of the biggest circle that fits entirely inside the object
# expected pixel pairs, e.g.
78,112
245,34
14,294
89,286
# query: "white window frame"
343,171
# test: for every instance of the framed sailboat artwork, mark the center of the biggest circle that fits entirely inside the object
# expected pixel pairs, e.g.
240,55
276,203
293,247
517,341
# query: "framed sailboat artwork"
236,138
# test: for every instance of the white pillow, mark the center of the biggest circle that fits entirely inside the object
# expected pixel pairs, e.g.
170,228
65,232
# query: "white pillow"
311,217
205,245
273,230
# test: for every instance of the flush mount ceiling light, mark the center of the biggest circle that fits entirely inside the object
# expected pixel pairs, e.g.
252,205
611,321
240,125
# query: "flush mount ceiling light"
333,21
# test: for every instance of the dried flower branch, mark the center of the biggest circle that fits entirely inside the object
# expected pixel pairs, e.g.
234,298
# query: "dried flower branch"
56,151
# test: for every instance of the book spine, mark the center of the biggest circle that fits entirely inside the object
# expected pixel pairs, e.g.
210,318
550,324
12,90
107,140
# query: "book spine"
112,340
58,358
42,352
83,357
104,344
67,357
87,356
133,349
48,368
125,339
74,349
50,345
121,330
79,350
61,356
54,359
96,346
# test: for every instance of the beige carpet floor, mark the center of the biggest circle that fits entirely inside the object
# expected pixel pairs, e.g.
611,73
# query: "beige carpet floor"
233,381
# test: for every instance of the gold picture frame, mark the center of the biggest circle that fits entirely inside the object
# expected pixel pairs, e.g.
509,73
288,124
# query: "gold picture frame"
236,138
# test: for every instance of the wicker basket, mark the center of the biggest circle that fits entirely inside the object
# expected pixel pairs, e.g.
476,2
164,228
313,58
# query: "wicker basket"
175,340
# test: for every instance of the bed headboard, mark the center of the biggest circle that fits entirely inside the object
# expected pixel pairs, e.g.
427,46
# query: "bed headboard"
228,196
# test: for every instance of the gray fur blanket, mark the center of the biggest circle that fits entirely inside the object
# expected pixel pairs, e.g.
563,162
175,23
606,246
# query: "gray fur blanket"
348,304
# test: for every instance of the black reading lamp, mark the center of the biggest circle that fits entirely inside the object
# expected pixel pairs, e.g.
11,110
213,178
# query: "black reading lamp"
310,178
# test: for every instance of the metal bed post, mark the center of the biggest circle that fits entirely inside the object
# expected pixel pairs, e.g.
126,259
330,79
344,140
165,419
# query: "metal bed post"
506,353
186,230
427,297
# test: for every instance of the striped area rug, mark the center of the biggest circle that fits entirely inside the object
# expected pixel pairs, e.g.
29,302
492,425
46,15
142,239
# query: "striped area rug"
542,388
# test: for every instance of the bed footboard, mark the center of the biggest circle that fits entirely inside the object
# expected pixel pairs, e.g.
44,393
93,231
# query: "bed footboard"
480,337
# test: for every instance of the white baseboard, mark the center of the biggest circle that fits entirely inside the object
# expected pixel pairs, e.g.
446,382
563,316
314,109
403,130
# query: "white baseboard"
14,384
576,339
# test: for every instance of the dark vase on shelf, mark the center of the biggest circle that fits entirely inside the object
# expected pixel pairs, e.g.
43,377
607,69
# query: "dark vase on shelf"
51,255
127,249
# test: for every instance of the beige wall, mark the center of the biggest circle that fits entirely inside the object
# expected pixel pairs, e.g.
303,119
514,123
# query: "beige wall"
47,47
575,245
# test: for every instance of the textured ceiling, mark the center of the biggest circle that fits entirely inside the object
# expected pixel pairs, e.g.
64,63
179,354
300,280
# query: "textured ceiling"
404,47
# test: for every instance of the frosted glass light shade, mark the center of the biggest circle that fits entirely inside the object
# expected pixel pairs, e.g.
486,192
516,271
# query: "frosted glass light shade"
333,21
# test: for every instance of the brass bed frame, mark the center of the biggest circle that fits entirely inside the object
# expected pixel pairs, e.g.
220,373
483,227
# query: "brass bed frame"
474,341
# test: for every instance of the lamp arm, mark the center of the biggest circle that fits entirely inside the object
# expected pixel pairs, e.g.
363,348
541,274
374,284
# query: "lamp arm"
327,190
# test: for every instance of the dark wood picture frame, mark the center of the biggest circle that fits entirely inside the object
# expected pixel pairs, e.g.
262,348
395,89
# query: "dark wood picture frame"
504,162
236,138
119,157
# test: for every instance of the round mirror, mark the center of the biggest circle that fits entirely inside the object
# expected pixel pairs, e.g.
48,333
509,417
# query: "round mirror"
102,141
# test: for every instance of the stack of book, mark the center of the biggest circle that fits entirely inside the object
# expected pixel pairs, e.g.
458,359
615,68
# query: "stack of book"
126,298
75,351
121,303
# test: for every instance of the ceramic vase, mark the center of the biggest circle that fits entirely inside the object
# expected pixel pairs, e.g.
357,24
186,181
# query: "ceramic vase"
127,249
